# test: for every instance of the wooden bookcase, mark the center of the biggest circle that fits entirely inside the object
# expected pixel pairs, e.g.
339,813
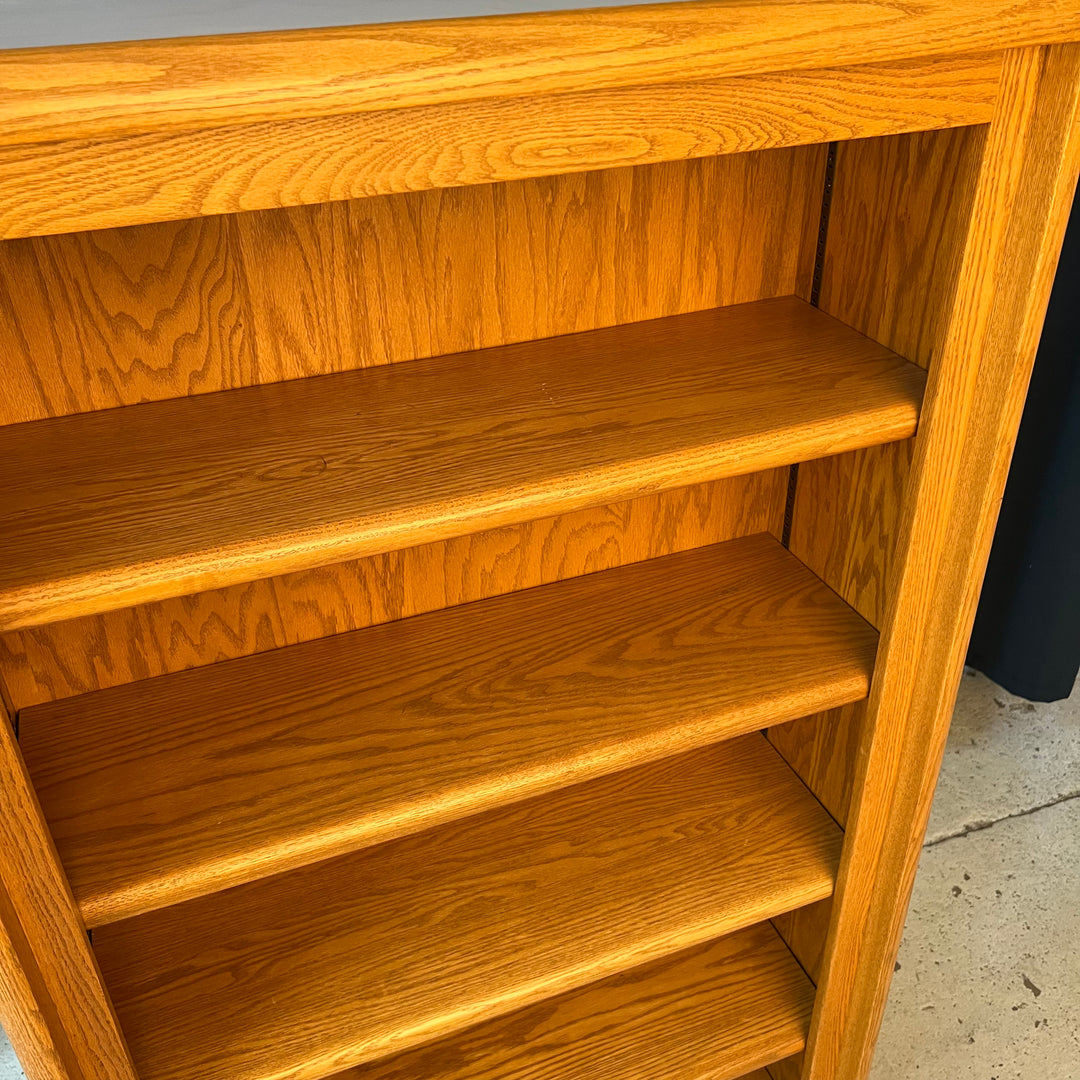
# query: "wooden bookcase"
492,513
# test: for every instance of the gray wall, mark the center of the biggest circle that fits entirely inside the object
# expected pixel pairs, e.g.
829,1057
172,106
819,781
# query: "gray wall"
28,23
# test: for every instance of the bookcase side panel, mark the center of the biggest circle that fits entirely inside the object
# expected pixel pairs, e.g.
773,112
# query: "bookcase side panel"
896,223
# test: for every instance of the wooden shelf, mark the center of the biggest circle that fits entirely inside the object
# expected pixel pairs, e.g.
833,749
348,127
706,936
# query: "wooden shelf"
277,760
374,953
117,507
710,1013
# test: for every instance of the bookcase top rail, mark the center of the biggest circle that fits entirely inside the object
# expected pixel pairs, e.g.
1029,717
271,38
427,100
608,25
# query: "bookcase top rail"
97,91
146,131
171,174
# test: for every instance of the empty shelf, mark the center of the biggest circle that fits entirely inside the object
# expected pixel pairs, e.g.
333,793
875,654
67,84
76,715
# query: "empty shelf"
710,1013
108,509
177,786
346,961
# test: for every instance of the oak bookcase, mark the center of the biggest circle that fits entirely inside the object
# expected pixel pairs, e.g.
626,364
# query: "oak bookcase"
492,513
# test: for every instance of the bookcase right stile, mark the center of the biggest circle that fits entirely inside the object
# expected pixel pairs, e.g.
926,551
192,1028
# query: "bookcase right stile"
968,259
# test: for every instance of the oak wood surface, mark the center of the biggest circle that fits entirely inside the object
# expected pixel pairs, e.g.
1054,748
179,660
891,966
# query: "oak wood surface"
176,787
119,316
899,211
804,931
92,92
379,951
846,518
165,175
1026,182
709,1013
898,214
93,653
53,1005
111,509
789,1069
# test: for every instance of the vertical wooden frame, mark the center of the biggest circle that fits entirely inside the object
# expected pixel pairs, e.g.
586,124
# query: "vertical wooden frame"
974,399
53,1003
898,212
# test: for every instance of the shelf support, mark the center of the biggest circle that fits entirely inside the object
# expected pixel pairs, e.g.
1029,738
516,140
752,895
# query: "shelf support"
972,410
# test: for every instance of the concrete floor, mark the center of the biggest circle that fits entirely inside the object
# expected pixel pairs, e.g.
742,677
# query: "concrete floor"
987,985
988,979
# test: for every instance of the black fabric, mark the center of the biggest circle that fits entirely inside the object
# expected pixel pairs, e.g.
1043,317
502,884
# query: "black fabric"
1027,630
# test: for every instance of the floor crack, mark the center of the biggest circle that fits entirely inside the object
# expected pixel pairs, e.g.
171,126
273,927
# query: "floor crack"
979,826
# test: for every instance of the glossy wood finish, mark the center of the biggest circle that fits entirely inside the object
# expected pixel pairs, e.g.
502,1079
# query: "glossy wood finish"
169,498
53,1005
898,217
93,653
804,931
258,766
121,316
1025,186
823,749
789,1069
376,952
116,317
706,1014
162,175
96,91
435,936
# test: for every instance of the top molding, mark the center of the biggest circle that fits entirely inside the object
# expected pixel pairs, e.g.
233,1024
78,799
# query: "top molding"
91,92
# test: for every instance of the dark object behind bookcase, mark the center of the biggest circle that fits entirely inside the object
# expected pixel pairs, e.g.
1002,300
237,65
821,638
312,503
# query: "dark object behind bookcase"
1027,631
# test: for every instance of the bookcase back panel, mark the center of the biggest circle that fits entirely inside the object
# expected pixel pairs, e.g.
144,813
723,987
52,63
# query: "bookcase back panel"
79,655
113,317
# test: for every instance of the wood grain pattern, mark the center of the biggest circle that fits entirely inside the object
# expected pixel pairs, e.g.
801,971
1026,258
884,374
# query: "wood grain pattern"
97,91
897,221
116,317
53,1005
1025,187
804,931
96,652
706,1014
899,214
302,754
846,519
380,951
162,175
100,320
823,751
104,319
789,1069
112,509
